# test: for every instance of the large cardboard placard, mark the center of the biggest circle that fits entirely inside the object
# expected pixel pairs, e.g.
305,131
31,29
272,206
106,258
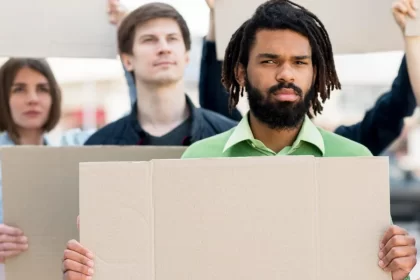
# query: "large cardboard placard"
41,196
352,29
237,218
53,28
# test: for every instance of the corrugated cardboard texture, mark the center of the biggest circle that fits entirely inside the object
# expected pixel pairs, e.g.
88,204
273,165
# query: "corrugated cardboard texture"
75,28
237,218
129,218
230,219
354,212
41,196
352,29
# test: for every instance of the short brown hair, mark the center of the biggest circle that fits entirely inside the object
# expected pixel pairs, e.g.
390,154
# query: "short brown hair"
141,15
8,74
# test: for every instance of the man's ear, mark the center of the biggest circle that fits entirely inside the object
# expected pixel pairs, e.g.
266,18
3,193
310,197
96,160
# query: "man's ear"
240,75
315,75
127,61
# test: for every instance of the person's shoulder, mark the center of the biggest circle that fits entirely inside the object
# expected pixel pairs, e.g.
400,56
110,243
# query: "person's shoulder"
5,139
76,137
337,145
219,122
108,132
209,147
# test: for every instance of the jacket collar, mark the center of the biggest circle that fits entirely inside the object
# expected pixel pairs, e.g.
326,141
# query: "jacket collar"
196,118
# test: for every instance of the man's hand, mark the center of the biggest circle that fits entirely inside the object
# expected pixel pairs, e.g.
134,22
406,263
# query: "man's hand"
12,242
397,253
401,9
77,262
116,12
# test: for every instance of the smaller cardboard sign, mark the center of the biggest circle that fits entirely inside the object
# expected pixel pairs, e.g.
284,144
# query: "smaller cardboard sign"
41,197
54,28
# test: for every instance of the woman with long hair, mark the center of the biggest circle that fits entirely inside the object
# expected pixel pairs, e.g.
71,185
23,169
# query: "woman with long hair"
30,107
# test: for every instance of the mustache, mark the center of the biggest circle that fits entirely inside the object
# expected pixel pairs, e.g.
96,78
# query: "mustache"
280,86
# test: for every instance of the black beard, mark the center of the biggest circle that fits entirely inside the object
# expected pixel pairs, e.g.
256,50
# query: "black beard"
276,114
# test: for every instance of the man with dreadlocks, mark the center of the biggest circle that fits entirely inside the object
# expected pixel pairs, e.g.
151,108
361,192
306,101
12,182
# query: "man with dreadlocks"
282,57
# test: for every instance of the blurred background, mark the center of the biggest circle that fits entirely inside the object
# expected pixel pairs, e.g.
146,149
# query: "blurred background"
95,90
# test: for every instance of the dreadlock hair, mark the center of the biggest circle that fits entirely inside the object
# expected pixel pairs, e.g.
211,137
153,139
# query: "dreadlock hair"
282,14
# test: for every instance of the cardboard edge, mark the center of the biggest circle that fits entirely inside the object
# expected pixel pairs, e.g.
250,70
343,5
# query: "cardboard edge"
151,165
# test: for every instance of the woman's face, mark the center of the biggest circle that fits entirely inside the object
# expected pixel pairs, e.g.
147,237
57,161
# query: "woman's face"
30,99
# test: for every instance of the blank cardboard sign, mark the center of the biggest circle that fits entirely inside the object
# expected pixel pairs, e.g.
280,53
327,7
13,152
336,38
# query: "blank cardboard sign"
51,28
237,218
357,26
41,196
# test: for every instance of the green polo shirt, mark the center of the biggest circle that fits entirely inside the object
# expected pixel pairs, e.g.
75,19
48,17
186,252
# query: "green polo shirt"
240,142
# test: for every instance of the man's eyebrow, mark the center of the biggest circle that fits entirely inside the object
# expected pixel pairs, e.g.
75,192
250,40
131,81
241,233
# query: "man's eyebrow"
275,56
302,57
268,55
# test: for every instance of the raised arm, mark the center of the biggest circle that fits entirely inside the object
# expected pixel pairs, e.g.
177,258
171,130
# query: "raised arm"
213,95
383,123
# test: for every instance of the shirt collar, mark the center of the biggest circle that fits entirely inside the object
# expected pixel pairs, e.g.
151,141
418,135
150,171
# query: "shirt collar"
308,133
5,140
